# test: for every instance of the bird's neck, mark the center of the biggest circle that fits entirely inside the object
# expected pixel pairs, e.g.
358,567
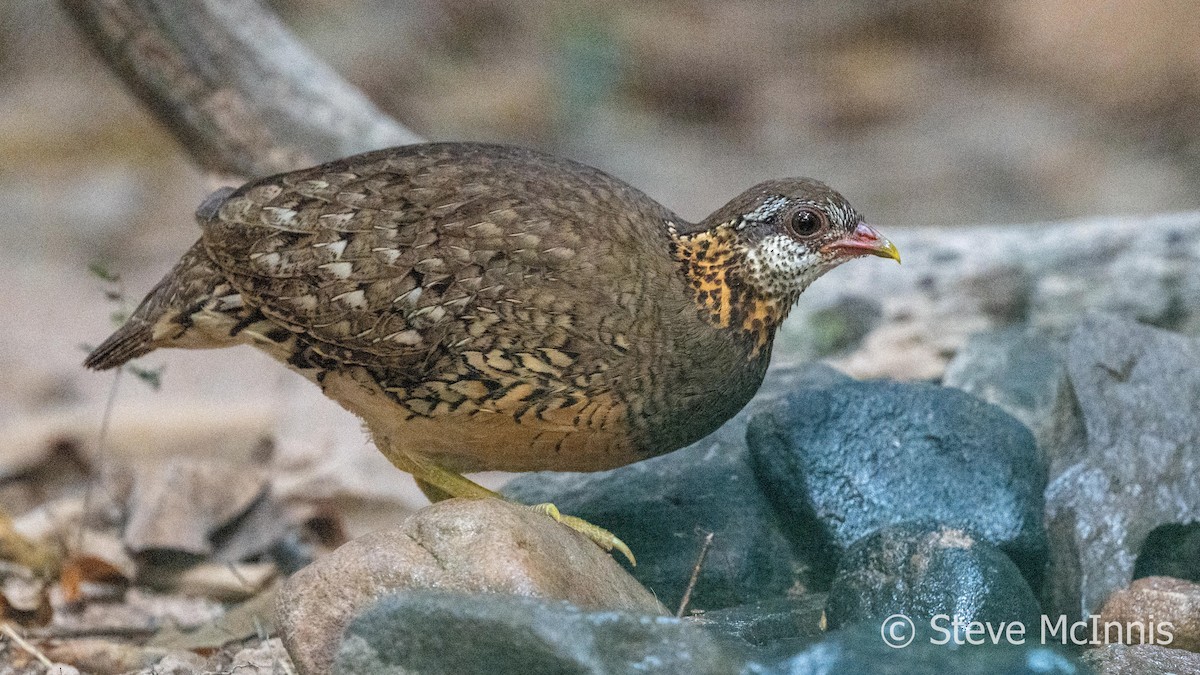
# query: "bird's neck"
715,265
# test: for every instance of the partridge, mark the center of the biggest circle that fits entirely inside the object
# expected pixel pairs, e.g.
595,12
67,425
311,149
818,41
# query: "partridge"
486,307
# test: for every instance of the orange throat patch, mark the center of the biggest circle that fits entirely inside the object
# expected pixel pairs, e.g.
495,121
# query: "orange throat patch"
714,262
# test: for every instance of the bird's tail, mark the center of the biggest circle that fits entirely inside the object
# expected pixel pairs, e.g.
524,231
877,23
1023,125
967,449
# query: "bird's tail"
164,314
131,340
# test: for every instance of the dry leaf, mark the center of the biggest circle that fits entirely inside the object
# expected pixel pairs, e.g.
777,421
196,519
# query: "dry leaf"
40,557
80,568
253,617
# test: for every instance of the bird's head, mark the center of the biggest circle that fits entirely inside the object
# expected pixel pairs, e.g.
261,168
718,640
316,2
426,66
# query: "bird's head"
749,261
794,230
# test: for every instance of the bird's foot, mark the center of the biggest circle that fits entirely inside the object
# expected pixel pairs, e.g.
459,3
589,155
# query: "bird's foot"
603,538
438,484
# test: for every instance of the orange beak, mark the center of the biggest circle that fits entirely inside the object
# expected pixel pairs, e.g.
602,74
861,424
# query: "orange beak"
865,240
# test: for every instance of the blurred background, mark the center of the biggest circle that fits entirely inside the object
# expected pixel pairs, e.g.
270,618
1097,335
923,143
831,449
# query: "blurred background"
923,112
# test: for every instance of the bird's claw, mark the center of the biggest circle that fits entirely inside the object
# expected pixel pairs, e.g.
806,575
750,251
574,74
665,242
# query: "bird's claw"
603,538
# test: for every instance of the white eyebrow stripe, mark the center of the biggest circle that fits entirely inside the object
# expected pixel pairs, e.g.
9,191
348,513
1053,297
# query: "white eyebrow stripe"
767,209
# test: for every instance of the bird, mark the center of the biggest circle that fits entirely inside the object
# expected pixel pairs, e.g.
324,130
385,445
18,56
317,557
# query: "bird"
491,307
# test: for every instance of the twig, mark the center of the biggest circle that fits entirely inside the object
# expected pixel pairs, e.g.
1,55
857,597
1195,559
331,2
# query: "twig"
237,576
101,446
8,630
687,593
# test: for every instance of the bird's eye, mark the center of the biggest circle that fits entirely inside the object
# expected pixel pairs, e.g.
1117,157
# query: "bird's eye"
807,222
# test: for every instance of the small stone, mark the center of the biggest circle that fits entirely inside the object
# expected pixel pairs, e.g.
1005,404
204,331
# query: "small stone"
437,632
920,571
842,325
1127,456
845,460
1170,551
22,590
474,546
1021,371
1155,600
663,508
1119,659
186,664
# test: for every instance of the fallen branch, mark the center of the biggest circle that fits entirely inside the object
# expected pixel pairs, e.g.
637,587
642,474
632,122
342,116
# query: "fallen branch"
241,94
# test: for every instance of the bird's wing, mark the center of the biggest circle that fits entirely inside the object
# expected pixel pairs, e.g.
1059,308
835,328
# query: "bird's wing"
397,253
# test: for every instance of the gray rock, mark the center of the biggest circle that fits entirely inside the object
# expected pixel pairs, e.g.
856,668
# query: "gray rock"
843,461
1119,659
433,632
1129,456
920,571
663,507
1002,293
1018,369
476,546
768,623
860,649
958,282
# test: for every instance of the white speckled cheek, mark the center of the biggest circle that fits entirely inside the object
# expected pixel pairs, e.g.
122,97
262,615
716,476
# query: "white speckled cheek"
779,264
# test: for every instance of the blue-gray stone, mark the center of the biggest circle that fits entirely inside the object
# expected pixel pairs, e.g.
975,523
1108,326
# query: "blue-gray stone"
432,632
920,571
843,460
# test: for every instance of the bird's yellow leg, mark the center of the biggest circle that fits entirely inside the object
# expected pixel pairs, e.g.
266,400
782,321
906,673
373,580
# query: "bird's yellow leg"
438,484
433,494
605,539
